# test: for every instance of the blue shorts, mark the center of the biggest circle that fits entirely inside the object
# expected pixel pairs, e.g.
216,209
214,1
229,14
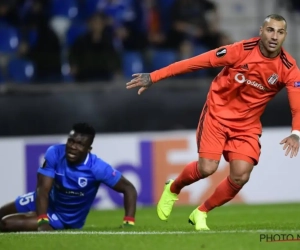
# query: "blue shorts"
26,203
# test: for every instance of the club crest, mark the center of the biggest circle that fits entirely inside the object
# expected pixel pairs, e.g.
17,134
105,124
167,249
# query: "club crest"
82,182
273,79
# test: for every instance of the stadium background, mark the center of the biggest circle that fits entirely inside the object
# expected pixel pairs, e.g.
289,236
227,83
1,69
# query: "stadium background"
150,137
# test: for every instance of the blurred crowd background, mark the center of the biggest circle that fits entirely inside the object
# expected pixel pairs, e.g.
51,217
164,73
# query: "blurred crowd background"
64,61
54,41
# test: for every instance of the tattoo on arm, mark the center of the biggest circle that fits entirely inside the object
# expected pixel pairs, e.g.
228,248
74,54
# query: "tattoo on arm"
146,80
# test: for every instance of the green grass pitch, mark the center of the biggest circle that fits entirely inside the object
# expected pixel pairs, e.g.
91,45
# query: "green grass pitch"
233,227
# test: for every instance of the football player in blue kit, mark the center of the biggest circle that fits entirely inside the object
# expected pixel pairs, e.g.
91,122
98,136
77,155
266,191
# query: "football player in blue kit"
67,184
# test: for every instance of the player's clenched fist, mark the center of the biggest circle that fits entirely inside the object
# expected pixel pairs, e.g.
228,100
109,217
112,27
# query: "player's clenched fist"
291,145
142,80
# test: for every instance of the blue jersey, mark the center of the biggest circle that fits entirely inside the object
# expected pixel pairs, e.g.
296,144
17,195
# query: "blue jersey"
75,187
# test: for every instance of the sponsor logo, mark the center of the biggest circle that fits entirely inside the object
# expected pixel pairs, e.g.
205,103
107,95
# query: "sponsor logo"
240,78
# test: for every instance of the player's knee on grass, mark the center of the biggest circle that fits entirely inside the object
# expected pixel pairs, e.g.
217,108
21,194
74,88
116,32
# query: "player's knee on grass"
207,167
240,171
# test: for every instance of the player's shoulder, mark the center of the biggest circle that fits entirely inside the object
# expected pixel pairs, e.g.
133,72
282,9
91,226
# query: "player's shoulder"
249,44
56,151
96,162
287,60
242,47
98,166
246,44
58,148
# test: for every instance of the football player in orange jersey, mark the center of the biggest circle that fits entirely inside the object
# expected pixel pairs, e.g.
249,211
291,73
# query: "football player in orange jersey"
254,71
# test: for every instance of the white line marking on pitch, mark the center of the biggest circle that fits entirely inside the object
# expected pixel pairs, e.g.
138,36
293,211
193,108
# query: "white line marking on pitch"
153,232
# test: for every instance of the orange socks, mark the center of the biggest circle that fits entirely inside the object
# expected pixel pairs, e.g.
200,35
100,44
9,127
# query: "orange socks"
225,192
189,175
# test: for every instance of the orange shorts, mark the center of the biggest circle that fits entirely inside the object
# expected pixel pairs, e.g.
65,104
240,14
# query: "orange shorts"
215,140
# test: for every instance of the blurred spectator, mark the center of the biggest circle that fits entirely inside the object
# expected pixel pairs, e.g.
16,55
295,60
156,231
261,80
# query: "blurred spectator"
290,5
93,56
224,39
40,44
156,34
9,13
127,34
194,23
295,5
127,18
62,13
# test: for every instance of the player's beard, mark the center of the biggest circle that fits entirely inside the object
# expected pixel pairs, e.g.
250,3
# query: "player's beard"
266,51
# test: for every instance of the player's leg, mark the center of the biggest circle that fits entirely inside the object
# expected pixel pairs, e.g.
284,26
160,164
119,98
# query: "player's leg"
20,215
206,165
210,141
19,222
7,209
26,222
240,170
243,153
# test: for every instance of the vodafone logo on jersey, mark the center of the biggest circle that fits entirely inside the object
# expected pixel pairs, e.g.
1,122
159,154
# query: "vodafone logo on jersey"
240,78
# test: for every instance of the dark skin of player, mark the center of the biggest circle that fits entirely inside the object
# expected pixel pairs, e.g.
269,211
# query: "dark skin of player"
78,145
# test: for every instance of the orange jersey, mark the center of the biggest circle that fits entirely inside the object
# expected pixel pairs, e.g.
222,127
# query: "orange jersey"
240,92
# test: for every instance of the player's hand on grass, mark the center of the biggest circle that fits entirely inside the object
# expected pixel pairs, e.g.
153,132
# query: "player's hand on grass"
45,227
141,80
128,222
291,145
127,226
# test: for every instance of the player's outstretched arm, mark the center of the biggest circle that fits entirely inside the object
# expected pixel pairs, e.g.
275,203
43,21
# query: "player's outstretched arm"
42,196
224,56
141,80
144,80
130,198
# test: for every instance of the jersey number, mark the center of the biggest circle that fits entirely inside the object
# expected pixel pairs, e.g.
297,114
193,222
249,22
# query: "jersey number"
26,199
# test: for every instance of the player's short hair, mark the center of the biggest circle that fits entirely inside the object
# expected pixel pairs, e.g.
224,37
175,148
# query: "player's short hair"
85,129
275,17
